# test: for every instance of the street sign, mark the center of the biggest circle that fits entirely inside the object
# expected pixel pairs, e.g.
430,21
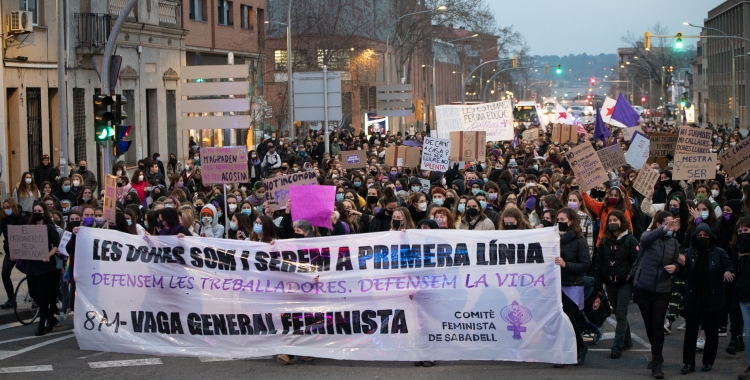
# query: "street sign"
309,98
395,100
216,104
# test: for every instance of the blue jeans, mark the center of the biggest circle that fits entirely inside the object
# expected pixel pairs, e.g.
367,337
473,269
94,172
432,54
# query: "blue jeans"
746,318
619,298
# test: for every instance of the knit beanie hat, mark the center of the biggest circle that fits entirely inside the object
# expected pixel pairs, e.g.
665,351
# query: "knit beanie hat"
530,203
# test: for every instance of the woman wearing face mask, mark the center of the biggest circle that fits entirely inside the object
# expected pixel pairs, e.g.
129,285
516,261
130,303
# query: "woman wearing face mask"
65,196
575,202
209,221
741,264
26,193
76,182
169,223
401,220
174,167
43,276
675,206
381,220
615,258
666,187
652,282
548,218
263,230
512,219
615,200
68,285
574,261
706,269
258,196
727,227
11,216
138,183
131,219
474,218
418,206
86,197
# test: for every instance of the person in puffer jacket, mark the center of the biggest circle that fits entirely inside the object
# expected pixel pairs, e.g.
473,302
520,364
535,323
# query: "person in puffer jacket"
652,282
210,226
616,256
741,264
706,268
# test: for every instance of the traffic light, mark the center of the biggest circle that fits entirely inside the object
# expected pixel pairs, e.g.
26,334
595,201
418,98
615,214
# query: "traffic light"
117,109
546,70
418,110
647,41
678,40
515,62
120,144
593,81
559,68
102,117
643,99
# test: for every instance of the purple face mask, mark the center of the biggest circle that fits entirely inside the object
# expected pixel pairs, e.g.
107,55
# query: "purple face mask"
727,216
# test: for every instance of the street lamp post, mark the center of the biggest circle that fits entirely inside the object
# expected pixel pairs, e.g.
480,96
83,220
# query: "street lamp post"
464,80
388,38
433,94
484,90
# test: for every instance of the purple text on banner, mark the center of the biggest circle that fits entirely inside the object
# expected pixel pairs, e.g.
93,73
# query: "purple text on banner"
313,203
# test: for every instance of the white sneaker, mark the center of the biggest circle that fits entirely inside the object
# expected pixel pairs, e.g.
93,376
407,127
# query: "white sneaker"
61,317
700,343
682,327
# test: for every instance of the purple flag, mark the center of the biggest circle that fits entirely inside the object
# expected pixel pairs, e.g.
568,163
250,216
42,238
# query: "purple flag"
624,112
601,132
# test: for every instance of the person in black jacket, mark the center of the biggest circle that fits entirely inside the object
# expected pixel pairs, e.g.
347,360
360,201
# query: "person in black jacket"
45,172
381,221
666,187
615,258
12,216
706,268
169,223
43,276
741,266
575,261
652,282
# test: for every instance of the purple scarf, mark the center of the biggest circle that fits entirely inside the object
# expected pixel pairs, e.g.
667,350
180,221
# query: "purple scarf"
170,231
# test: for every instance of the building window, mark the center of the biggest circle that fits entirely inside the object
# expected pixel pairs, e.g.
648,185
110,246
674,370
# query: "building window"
334,59
280,58
31,6
197,10
700,69
700,51
225,13
248,17
79,123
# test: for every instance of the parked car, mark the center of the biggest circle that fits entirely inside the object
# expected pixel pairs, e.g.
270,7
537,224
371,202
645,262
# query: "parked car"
577,110
589,111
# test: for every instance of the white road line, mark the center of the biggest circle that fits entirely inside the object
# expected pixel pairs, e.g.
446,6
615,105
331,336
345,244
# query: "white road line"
125,363
212,360
636,338
7,354
10,325
33,368
91,356
35,337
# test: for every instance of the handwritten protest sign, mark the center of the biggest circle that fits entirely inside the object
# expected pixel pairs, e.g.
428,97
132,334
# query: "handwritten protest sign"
313,203
277,188
28,242
693,140
612,157
353,159
695,166
627,133
646,181
662,144
736,160
64,239
110,198
435,154
224,164
637,154
494,118
530,134
562,133
586,165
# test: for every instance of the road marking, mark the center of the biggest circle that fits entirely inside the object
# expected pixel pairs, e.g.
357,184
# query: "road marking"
8,354
91,356
636,338
609,349
10,325
211,360
125,363
35,337
33,368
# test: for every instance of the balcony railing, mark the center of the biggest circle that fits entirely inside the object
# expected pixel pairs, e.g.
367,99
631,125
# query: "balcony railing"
170,12
93,32
115,8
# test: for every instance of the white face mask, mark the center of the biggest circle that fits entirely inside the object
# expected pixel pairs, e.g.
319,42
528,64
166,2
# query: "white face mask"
232,207
28,181
76,183
715,193
119,172
140,178
422,206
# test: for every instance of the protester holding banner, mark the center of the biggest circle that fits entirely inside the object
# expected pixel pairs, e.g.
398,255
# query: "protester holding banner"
43,276
474,218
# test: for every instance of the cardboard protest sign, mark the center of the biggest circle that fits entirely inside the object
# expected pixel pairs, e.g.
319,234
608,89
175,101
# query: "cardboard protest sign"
694,166
28,242
495,119
646,181
313,203
402,156
224,165
586,165
468,146
736,160
110,198
637,154
435,154
562,133
353,159
530,134
425,183
627,133
612,157
277,188
662,144
693,140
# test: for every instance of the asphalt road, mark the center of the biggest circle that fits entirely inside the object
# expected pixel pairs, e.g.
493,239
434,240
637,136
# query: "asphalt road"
57,356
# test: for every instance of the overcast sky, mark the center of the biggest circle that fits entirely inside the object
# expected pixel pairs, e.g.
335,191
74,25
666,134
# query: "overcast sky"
554,27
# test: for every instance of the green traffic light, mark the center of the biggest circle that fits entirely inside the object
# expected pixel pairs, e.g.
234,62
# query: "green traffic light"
678,45
682,104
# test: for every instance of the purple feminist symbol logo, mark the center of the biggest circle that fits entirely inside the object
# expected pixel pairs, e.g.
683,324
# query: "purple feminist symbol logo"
517,316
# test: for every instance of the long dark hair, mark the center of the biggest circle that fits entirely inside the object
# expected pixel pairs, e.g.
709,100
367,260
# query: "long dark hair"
45,211
684,213
743,222
624,225
659,218
574,220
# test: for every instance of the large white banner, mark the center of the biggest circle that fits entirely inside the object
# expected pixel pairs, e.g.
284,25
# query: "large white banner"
415,295
494,118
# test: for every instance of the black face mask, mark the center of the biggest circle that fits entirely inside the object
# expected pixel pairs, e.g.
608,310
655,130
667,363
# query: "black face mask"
575,188
82,169
120,184
388,212
510,227
372,199
396,224
472,212
38,216
448,203
614,227
562,226
702,242
743,237
72,225
666,183
373,173
674,211
298,236
547,223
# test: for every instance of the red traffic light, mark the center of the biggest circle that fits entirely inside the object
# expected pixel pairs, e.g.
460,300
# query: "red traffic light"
593,81
643,100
